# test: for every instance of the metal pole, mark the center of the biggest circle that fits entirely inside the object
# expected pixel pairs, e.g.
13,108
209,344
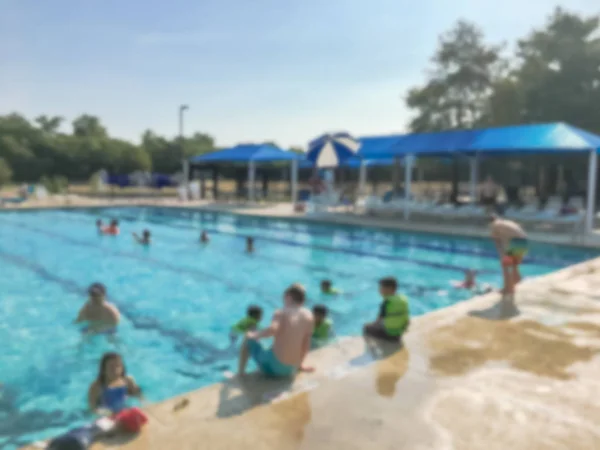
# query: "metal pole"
251,176
408,161
591,191
294,181
362,178
185,166
474,178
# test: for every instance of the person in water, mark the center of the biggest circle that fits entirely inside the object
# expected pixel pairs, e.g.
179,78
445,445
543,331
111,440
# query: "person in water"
112,229
144,239
99,315
249,244
323,325
204,237
394,314
99,226
249,323
291,328
328,289
112,386
512,245
470,283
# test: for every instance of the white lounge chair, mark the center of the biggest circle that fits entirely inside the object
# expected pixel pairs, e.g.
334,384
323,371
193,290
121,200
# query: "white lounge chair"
182,193
194,188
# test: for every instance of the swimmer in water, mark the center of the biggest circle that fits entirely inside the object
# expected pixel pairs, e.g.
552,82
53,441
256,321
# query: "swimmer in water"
470,283
204,237
249,244
112,386
112,229
99,226
100,315
328,289
249,323
144,239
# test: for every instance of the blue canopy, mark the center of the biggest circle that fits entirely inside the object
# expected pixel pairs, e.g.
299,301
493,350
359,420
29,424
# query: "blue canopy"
353,163
247,153
540,138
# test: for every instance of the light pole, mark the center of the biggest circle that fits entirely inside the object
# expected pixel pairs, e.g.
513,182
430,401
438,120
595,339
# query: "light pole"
184,161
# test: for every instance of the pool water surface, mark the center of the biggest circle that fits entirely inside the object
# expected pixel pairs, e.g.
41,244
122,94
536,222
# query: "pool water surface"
178,299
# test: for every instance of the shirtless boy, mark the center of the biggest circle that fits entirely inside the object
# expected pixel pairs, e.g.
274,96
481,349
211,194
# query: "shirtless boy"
511,243
291,329
100,315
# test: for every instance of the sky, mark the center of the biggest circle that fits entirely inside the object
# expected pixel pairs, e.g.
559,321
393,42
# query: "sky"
250,70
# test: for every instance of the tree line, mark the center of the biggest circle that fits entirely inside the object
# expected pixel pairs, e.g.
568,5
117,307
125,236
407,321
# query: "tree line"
551,74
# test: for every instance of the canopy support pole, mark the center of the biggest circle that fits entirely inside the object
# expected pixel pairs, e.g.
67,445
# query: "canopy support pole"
591,191
186,173
408,165
474,177
362,178
294,181
251,179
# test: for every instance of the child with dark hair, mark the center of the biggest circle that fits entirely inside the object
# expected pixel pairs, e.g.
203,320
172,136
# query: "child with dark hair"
249,323
249,244
144,239
328,289
394,314
204,237
323,325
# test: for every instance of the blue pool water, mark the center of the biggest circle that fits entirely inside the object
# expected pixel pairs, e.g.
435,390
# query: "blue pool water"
179,299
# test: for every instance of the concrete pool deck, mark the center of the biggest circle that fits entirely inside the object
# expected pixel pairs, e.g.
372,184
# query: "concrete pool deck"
469,376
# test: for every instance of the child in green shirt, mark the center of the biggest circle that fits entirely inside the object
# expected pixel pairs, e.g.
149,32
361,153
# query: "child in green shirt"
323,326
248,323
328,289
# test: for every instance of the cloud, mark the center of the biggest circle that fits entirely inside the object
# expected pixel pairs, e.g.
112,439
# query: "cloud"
180,38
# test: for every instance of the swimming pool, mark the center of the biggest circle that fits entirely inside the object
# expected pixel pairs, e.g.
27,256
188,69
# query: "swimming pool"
178,299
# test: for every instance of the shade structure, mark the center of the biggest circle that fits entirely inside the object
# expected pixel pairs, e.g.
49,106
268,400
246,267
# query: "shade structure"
247,153
331,150
517,139
252,154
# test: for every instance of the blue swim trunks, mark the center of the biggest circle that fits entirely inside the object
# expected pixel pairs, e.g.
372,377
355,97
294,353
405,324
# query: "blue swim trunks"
267,362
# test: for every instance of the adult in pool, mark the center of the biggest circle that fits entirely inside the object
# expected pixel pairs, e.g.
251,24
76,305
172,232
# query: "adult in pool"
204,237
249,244
112,229
99,315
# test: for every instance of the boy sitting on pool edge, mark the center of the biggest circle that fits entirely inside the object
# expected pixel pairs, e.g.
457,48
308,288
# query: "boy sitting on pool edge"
394,314
291,329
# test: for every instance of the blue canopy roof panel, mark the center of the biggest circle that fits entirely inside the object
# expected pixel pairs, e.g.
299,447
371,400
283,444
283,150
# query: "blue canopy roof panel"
540,138
247,153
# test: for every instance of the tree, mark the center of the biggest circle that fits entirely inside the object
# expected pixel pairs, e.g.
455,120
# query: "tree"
460,81
558,72
88,126
49,124
5,172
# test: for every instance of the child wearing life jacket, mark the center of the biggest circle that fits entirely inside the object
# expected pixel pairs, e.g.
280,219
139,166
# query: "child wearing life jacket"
248,323
394,314
323,325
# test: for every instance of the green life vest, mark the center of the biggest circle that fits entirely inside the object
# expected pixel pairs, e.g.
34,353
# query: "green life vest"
332,291
397,314
323,330
244,325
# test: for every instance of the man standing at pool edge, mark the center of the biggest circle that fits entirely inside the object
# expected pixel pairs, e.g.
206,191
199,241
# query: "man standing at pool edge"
291,329
511,243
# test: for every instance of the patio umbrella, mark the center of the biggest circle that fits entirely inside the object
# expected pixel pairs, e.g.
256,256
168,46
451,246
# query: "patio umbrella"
330,150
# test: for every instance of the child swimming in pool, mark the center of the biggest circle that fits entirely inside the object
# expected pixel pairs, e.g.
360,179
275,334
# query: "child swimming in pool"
470,283
112,229
249,244
144,239
248,323
112,386
204,237
323,326
328,289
